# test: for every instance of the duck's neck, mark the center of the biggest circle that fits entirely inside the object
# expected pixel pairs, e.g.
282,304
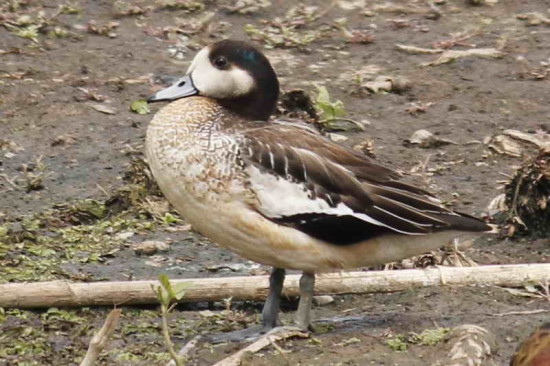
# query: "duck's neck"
257,105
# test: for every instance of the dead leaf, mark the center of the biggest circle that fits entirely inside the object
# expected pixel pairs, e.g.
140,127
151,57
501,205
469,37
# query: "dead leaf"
540,140
502,144
103,108
497,204
534,18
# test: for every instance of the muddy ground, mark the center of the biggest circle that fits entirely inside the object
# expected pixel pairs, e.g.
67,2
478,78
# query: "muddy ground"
73,205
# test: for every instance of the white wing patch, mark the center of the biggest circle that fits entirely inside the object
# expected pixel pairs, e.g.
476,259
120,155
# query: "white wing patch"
280,197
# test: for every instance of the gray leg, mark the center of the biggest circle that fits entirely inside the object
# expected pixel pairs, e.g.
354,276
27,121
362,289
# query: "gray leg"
303,315
270,313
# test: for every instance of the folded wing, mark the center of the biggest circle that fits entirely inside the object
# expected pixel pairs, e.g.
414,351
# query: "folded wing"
335,194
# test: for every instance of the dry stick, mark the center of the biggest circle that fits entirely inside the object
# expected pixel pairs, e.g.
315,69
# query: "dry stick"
100,339
64,293
527,312
264,341
184,352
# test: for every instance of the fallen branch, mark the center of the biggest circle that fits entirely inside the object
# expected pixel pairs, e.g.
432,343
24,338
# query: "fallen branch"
269,338
99,340
65,293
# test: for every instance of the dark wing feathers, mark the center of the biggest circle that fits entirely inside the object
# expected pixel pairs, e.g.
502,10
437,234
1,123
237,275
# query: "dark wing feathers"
365,198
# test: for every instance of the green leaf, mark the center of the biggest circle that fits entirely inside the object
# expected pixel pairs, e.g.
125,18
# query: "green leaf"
165,282
179,289
162,295
327,110
140,106
168,218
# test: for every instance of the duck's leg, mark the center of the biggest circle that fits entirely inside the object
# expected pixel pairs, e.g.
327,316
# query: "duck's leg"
307,286
270,313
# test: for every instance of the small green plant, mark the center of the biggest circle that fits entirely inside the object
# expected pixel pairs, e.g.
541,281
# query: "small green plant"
331,112
168,295
428,337
327,109
398,343
168,218
140,106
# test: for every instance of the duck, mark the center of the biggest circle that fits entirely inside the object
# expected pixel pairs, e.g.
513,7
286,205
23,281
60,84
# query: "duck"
280,193
535,349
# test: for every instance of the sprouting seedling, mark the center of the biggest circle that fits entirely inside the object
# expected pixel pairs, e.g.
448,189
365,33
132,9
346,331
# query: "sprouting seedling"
168,295
331,112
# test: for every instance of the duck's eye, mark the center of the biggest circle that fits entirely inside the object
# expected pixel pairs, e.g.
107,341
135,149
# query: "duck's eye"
220,62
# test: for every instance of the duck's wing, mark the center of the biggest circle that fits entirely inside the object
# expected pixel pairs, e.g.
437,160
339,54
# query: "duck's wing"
335,194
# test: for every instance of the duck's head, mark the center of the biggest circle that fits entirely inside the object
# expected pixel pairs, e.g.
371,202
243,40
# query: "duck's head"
235,74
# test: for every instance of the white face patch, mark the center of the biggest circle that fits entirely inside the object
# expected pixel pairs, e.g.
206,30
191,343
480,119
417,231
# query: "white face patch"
216,83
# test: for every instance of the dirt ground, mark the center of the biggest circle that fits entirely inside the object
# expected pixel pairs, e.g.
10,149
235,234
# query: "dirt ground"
74,200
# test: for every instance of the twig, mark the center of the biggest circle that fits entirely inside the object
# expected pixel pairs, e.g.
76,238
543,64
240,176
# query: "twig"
279,349
325,11
272,336
527,312
185,350
11,181
100,339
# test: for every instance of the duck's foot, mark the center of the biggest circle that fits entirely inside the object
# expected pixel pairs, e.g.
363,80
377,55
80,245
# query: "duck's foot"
242,335
256,332
270,318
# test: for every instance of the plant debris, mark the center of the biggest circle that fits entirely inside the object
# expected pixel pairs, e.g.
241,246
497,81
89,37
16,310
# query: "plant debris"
509,142
528,198
247,6
297,103
452,55
448,55
534,19
107,29
505,145
288,32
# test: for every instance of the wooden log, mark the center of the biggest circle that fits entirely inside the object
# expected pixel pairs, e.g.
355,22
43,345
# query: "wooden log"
66,294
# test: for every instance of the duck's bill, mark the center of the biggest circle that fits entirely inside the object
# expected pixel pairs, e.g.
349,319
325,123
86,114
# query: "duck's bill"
182,88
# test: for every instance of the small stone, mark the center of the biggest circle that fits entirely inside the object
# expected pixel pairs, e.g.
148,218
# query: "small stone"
322,300
150,247
336,137
426,139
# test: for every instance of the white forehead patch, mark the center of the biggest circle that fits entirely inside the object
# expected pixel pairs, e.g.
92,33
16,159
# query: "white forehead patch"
216,83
